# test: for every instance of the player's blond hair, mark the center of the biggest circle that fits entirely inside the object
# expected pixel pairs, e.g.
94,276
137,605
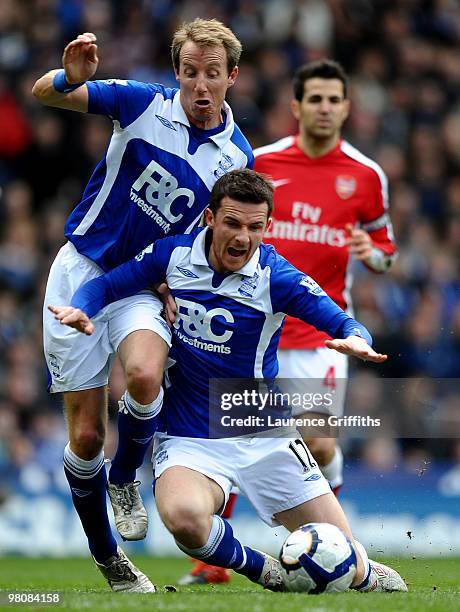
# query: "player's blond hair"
206,33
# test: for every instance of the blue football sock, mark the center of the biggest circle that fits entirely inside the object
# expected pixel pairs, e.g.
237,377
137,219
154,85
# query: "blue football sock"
136,425
88,482
224,550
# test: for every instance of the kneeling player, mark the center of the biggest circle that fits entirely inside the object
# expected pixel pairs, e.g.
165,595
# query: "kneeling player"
232,294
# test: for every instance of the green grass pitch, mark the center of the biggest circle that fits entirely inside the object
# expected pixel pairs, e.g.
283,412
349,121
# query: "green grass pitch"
434,585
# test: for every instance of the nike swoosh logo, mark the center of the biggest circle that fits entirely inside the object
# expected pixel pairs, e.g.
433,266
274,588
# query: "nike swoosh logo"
281,182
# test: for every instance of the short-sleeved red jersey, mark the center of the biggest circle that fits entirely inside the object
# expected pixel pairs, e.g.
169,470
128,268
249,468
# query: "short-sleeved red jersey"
314,200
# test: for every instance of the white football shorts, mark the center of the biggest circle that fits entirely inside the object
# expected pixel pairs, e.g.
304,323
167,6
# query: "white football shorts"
275,474
75,361
321,370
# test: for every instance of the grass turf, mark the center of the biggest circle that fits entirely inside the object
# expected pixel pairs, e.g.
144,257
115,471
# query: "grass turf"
434,585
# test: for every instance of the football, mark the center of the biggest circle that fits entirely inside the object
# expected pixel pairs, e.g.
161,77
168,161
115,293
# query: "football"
318,558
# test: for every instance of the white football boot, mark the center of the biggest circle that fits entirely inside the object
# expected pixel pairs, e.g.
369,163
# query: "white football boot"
129,512
271,577
123,576
383,579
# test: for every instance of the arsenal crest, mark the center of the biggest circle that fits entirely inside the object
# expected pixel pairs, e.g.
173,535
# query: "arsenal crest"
345,186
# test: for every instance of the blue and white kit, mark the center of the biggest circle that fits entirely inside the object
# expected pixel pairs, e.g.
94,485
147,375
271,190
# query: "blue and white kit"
227,326
154,181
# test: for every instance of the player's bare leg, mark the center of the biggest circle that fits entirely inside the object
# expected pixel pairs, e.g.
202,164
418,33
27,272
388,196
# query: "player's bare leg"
187,502
143,355
203,573
86,414
370,576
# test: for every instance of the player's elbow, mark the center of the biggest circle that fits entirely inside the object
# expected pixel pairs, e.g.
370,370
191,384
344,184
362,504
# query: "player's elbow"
44,91
38,91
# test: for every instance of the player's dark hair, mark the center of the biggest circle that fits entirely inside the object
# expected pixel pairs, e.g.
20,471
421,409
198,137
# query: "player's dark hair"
323,69
245,186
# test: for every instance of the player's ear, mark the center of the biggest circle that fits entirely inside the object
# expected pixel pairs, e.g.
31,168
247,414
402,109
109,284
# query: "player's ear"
346,108
269,224
209,218
295,108
232,76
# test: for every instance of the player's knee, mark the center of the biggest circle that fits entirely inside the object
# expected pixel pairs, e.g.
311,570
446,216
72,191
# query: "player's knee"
87,441
322,449
187,525
143,382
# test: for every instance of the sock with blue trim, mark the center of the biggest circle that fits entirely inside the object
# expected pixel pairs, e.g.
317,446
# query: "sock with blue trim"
136,425
333,471
88,483
224,550
364,585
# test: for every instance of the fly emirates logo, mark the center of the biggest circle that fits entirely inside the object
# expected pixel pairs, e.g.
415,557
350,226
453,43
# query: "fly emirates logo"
305,227
194,326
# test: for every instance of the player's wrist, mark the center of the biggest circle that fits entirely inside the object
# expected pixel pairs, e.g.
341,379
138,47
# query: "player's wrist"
62,85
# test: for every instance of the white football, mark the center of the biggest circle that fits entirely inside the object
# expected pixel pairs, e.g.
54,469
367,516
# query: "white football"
318,558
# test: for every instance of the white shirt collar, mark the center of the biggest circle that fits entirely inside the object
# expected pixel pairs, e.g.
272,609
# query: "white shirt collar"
198,256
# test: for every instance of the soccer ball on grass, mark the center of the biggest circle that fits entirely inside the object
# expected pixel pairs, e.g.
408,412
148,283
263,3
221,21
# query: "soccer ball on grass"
318,558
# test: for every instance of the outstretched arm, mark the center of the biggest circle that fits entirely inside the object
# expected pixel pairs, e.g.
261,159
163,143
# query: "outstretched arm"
80,63
144,270
73,317
356,346
300,296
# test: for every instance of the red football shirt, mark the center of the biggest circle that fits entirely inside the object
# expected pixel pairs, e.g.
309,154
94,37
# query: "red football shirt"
314,200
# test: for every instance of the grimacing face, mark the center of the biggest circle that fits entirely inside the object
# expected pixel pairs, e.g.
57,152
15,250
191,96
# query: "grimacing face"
237,231
322,110
204,79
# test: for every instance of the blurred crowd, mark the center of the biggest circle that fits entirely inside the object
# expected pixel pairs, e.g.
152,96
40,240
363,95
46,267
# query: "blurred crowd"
403,58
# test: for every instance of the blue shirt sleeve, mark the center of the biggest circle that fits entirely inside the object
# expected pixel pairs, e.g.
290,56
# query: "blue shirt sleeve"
139,273
298,295
122,100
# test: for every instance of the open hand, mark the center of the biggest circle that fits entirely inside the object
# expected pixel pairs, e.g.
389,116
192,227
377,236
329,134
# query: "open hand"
80,59
356,347
73,317
169,303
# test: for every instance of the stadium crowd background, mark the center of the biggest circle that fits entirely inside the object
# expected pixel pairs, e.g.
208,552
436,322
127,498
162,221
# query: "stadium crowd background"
403,57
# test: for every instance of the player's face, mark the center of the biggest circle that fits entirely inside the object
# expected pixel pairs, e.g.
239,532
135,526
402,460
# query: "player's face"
322,110
204,79
237,231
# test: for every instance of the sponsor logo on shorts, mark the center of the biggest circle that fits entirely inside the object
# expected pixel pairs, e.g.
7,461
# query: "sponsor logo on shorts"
313,477
55,369
161,457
